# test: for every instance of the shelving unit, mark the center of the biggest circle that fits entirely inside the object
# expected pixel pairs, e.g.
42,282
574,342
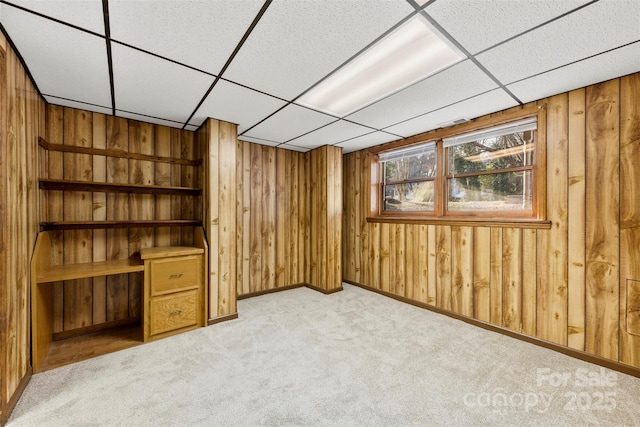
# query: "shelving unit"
95,339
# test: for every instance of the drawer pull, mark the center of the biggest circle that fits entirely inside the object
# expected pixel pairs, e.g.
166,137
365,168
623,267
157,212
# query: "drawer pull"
176,276
175,313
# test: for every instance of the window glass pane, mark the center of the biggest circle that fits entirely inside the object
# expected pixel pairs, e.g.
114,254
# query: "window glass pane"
510,191
501,152
411,197
414,167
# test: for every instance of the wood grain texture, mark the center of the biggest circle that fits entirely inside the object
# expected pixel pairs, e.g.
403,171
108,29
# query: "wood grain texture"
630,220
602,210
576,283
113,231
576,227
21,123
552,244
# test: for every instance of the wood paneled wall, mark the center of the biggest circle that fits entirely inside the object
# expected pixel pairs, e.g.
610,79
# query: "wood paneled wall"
87,302
289,218
271,218
21,122
218,142
576,284
325,218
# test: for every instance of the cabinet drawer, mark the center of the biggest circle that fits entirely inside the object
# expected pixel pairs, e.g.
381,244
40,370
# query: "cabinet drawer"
171,312
175,274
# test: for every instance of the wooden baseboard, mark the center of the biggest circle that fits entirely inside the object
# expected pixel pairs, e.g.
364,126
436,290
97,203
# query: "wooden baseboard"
59,336
222,319
587,357
323,291
16,396
269,291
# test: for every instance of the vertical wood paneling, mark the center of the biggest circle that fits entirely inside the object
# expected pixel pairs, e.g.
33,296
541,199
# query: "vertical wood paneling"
482,273
21,123
292,224
512,278
141,206
576,226
577,283
529,281
432,290
422,264
630,220
227,220
495,279
247,214
210,143
99,214
162,176
55,206
385,256
602,202
443,267
240,211
268,224
462,270
77,294
552,244
117,209
255,279
281,233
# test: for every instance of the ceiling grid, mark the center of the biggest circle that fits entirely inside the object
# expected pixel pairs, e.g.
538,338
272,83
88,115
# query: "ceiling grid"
248,62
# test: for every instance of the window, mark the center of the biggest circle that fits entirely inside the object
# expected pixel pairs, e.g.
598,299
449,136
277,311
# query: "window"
409,179
488,173
491,170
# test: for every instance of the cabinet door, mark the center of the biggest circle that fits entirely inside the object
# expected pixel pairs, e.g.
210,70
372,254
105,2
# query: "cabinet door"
173,275
172,312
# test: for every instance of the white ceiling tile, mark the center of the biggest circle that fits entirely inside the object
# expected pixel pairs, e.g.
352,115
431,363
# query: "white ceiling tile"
258,141
202,34
192,128
479,24
148,85
85,14
599,27
78,105
236,104
486,103
461,81
80,73
297,43
328,135
290,122
366,141
147,119
603,67
294,148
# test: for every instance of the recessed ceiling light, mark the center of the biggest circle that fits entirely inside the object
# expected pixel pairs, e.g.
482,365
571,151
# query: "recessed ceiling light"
408,54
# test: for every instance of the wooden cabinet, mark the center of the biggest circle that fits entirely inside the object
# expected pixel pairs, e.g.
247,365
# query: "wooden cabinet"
174,292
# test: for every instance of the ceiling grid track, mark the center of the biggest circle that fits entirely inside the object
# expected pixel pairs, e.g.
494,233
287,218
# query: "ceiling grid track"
107,33
264,8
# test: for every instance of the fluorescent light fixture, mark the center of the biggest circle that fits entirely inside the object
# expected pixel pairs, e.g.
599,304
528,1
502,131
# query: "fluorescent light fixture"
410,53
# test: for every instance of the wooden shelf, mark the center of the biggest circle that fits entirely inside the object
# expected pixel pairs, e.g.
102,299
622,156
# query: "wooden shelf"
85,347
115,153
109,187
93,225
56,273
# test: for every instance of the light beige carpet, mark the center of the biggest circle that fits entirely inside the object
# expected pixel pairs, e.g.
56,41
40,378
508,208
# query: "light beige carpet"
354,358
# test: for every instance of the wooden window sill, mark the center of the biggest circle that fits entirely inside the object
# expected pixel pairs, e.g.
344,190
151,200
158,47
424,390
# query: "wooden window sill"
465,221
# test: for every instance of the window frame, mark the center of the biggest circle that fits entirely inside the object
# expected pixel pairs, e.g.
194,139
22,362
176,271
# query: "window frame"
536,218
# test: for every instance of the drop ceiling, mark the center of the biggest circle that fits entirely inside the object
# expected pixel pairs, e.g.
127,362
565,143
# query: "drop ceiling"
178,62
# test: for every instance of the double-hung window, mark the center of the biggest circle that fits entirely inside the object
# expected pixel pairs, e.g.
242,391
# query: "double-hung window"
409,176
488,173
491,171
